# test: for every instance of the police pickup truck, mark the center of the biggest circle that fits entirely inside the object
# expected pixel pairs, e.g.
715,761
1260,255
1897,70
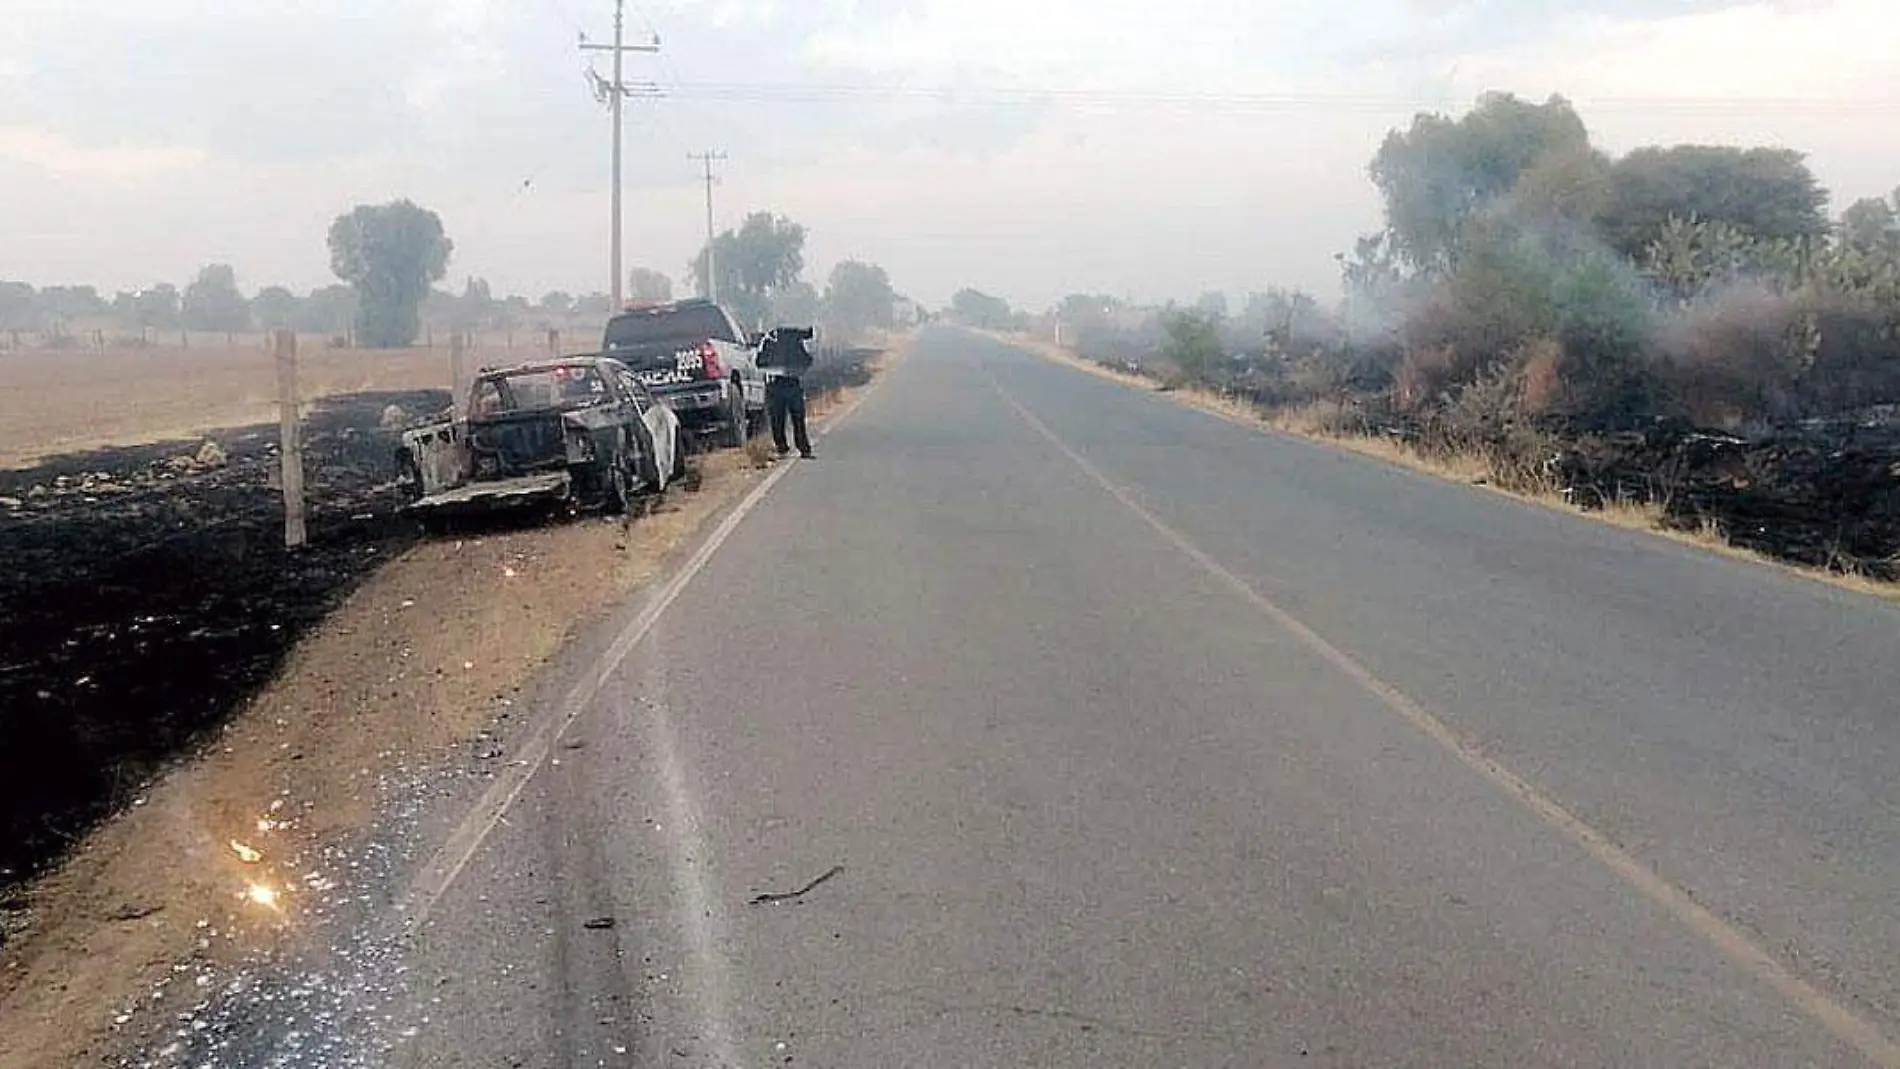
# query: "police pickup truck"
696,360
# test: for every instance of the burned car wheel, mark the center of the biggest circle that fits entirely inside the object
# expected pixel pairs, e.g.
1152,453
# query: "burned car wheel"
617,496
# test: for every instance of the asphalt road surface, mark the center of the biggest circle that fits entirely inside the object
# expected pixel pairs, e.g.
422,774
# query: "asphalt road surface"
1115,734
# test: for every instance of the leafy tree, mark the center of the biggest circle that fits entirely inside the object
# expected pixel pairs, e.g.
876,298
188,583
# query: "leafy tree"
974,308
327,310
859,297
796,304
158,306
213,301
594,305
65,303
1442,172
275,308
1566,185
1081,307
557,302
1872,225
476,307
1212,304
1192,343
390,254
646,284
18,306
1766,193
765,254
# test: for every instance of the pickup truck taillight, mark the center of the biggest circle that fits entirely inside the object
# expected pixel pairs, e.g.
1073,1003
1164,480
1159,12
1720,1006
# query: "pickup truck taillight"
710,356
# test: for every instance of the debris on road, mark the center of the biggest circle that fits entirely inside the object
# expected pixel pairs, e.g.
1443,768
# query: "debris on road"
792,896
598,924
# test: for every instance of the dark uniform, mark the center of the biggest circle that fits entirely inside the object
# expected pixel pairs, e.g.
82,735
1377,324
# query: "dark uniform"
783,357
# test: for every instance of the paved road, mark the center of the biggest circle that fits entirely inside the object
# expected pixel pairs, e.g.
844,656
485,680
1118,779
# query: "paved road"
1145,739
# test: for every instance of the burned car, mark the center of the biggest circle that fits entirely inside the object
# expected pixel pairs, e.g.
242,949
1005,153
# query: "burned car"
577,430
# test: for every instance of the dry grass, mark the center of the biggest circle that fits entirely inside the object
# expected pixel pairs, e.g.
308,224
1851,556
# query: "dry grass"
1332,424
61,402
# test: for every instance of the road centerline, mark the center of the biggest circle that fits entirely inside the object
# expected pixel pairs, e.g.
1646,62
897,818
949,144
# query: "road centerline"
1829,1013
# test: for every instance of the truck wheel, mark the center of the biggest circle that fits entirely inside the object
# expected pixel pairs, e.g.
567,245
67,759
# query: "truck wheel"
734,434
619,489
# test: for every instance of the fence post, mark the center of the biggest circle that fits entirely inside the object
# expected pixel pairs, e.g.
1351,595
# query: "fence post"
554,341
458,343
290,438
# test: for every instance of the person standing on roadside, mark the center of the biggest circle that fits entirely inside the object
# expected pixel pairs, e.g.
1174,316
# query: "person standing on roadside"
783,357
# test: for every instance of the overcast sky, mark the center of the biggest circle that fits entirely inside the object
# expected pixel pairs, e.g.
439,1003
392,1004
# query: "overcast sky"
1028,147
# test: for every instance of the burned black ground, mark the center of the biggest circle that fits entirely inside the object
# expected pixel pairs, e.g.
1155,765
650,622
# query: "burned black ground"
146,594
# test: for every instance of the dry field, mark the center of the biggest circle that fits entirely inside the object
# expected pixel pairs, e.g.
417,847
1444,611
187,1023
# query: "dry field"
54,402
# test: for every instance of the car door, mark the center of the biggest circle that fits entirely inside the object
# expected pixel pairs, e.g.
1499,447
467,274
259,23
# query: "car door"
661,426
743,358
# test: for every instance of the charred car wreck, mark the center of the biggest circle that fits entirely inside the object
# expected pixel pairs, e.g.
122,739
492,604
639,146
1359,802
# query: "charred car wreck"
577,431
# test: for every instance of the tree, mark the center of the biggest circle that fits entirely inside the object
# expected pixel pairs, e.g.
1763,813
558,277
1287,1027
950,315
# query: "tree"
796,304
1768,194
275,308
327,310
476,306
557,302
67,303
157,307
1565,186
1212,304
859,297
1084,307
390,254
1441,172
213,301
646,284
18,309
1192,344
974,308
1871,225
765,254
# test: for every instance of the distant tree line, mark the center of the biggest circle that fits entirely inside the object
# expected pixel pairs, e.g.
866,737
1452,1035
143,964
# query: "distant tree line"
759,268
1526,279
391,257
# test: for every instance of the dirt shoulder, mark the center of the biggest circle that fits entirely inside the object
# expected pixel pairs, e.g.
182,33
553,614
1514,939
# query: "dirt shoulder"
420,661
1465,469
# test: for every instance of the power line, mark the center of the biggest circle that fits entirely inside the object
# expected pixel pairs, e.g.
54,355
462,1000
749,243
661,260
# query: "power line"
613,94
839,92
709,157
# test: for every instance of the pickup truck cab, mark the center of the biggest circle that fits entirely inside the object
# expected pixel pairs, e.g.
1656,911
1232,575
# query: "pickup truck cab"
696,360
581,430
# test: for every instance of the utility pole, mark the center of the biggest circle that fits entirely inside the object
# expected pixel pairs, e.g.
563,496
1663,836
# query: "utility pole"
613,93
712,276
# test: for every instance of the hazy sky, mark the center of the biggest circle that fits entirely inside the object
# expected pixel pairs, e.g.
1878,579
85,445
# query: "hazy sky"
1029,147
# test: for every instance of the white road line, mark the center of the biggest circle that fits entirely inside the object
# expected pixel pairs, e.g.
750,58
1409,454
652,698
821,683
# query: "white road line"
697,909
1832,1015
447,863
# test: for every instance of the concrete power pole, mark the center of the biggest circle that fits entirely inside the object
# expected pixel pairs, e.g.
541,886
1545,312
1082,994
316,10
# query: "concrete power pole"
613,93
712,275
